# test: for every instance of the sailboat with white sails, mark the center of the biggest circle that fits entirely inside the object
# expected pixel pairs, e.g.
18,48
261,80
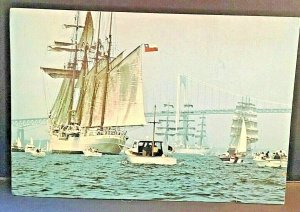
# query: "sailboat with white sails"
110,95
243,132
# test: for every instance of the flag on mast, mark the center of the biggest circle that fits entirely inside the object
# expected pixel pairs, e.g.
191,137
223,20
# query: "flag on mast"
150,48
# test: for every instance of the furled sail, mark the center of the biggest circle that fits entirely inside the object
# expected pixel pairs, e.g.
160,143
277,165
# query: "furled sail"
61,73
88,32
60,110
91,85
95,87
125,104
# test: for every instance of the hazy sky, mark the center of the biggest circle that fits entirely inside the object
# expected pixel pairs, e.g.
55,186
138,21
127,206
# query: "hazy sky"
241,55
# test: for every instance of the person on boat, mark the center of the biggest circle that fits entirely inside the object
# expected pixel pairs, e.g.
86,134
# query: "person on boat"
147,150
277,156
37,150
281,154
235,157
267,154
155,150
262,155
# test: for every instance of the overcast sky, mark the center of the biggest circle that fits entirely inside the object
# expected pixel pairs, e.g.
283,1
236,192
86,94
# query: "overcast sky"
238,55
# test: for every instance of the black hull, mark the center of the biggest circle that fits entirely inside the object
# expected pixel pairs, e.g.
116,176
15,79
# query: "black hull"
66,152
17,150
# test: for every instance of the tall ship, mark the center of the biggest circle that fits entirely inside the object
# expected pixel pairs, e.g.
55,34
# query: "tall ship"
244,130
186,136
100,95
201,137
185,131
166,128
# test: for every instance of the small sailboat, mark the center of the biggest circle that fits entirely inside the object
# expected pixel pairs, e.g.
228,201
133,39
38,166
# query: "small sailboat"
237,151
17,146
30,147
91,152
244,132
149,152
38,152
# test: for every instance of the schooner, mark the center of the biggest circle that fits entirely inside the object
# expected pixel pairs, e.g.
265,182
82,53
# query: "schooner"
109,94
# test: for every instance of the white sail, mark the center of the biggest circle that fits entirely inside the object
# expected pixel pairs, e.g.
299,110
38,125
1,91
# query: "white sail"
242,144
31,141
88,32
19,144
64,105
95,82
125,104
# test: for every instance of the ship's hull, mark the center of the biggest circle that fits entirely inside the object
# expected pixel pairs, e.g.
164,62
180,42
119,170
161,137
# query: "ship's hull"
17,149
158,160
65,146
106,144
274,163
196,151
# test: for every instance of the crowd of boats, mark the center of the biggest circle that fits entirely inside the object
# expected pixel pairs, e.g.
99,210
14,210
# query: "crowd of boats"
101,96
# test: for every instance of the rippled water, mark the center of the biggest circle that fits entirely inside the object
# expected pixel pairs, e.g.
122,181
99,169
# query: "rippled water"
194,178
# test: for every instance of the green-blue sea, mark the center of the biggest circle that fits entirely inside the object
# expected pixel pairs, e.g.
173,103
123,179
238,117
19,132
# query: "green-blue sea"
194,178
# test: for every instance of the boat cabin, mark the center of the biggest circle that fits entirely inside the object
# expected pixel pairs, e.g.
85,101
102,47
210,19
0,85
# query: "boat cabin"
144,148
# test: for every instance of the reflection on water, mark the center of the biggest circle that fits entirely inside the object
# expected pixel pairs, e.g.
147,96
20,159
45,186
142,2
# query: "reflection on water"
194,178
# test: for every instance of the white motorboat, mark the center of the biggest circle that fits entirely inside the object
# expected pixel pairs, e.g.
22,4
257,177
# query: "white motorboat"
91,152
278,160
276,163
149,152
158,160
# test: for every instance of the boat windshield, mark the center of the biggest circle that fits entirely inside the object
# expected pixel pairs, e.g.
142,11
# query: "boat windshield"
145,148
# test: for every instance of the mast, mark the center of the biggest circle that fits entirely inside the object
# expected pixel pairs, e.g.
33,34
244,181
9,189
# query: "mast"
82,89
107,71
202,131
94,74
73,72
186,124
167,129
153,133
177,108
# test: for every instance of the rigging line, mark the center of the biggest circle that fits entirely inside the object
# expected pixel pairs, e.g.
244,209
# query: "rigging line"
45,95
238,95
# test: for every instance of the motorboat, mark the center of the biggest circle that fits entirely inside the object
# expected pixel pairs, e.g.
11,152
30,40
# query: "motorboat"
143,153
91,152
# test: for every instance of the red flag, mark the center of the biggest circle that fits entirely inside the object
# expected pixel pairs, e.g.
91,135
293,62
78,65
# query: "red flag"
149,48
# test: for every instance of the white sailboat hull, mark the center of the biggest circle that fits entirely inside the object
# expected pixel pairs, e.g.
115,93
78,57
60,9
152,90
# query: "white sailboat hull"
158,160
29,149
38,154
200,151
92,154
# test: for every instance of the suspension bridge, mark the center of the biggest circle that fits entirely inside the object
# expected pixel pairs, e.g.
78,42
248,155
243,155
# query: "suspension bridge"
21,124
